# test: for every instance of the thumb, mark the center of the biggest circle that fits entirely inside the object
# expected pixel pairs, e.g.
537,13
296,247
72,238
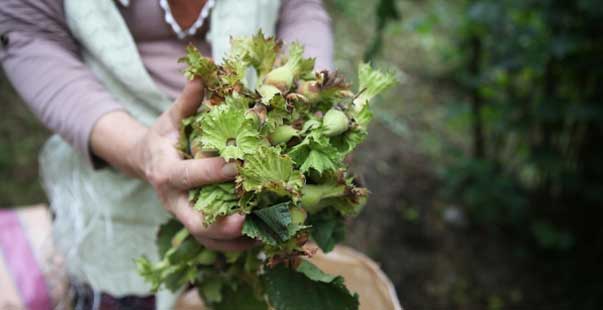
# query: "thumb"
189,100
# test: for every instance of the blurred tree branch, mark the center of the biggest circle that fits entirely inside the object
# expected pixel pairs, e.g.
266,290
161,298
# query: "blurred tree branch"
386,12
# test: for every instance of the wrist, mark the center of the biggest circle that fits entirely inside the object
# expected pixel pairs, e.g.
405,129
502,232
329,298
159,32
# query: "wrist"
116,138
135,155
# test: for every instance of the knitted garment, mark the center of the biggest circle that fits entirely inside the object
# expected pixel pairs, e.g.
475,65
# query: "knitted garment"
104,220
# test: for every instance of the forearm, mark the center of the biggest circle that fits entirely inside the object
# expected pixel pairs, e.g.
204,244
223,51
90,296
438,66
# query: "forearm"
114,138
42,62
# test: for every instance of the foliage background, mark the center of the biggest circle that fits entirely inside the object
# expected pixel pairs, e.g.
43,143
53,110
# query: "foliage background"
484,164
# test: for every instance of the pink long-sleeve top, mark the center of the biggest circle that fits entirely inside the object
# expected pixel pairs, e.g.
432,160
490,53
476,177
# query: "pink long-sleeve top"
42,59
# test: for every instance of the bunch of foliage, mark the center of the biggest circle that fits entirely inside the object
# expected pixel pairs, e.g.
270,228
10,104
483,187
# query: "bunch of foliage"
289,128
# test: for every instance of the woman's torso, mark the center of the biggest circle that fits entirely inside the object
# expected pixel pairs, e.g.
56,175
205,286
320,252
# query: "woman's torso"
158,45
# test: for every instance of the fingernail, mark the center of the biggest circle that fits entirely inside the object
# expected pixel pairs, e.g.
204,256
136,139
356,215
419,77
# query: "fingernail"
230,170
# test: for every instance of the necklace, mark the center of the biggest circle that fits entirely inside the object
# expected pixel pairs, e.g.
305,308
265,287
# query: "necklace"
183,33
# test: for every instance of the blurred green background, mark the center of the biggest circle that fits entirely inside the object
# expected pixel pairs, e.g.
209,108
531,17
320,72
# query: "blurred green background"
484,163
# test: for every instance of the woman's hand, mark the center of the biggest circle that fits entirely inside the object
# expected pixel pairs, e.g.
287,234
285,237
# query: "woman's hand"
150,154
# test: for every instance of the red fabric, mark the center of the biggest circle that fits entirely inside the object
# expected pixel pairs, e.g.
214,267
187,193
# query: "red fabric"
21,262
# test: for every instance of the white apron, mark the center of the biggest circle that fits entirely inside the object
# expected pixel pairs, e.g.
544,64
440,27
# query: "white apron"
104,220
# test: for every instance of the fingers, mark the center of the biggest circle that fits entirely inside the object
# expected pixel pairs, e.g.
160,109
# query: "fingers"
189,100
191,173
223,235
227,228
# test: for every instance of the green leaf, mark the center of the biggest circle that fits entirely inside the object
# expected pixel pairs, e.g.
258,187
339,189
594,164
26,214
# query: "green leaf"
315,152
238,101
148,272
349,140
299,65
267,169
211,290
185,252
206,257
166,232
315,274
320,159
227,130
243,298
199,66
181,276
233,71
217,200
328,229
278,115
363,117
307,290
258,51
371,83
277,218
347,206
270,225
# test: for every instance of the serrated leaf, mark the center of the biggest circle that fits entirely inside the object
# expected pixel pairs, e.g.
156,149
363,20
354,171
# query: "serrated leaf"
315,274
180,277
293,290
217,200
328,229
278,102
148,272
243,298
227,130
211,290
233,71
371,83
278,218
165,234
185,252
347,206
206,257
270,225
363,117
319,159
238,101
299,65
349,140
258,51
199,66
315,152
268,170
